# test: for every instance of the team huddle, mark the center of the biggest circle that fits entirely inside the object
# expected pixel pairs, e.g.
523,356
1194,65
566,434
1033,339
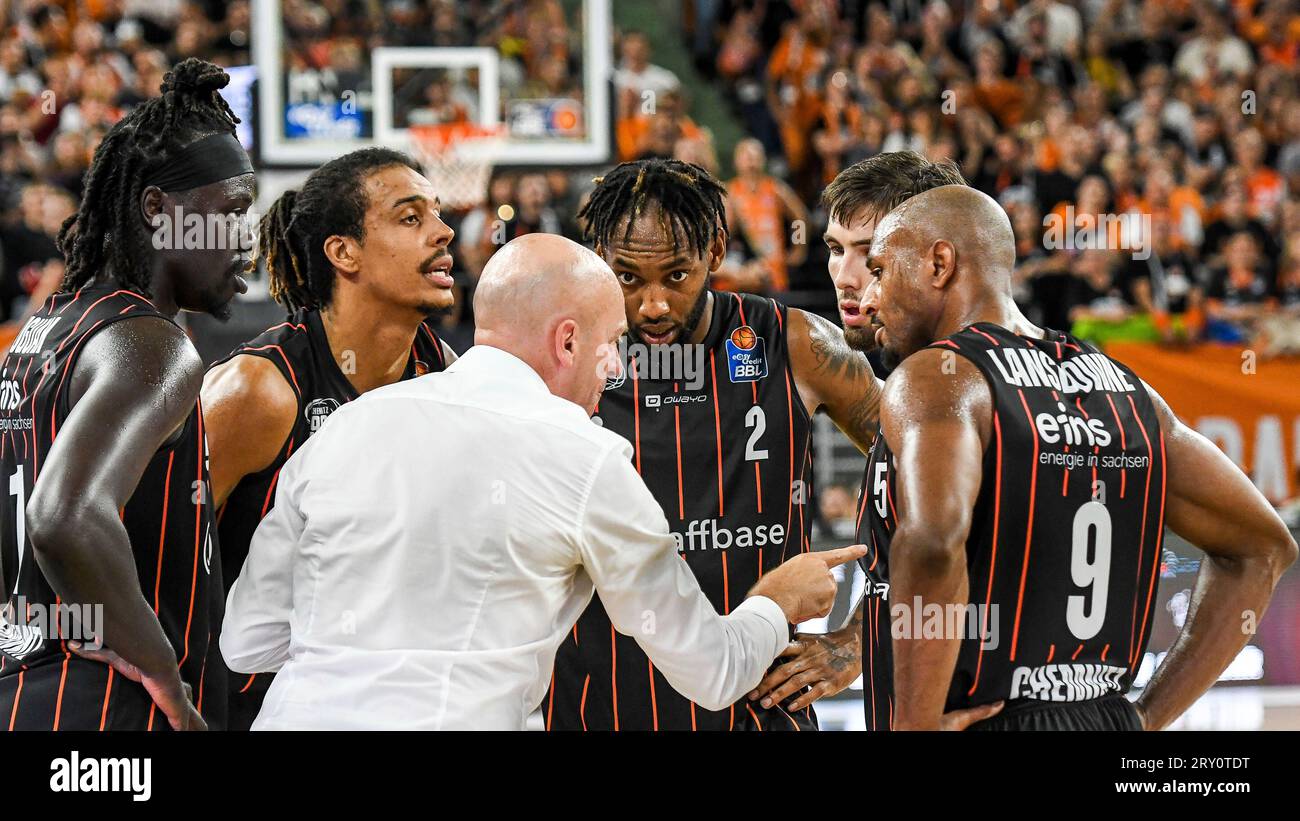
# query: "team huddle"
1013,474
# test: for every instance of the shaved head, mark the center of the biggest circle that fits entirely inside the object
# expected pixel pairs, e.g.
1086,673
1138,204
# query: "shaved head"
971,221
557,306
933,258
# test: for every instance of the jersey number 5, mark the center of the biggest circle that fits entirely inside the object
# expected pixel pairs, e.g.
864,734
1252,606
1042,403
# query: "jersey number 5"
1092,516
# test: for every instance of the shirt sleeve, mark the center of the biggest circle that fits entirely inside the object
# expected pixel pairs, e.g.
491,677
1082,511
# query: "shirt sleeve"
651,595
255,632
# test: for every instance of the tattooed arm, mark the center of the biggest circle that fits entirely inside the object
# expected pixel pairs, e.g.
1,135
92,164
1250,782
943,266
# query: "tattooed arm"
825,664
831,375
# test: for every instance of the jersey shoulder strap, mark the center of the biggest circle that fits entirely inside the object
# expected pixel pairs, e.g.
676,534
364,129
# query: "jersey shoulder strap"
763,315
283,345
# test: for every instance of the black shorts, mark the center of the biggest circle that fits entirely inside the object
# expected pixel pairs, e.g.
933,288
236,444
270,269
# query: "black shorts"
81,697
247,692
1111,713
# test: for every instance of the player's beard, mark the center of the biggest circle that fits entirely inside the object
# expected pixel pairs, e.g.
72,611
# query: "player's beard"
689,326
222,312
860,339
215,306
890,358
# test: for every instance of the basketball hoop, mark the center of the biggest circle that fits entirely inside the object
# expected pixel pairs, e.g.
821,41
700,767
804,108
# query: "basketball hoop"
457,159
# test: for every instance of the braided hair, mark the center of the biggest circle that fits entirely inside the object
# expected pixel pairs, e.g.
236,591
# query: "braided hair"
332,202
692,203
106,233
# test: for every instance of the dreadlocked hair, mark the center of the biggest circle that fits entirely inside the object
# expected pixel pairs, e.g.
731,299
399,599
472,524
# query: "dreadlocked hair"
692,203
332,202
107,233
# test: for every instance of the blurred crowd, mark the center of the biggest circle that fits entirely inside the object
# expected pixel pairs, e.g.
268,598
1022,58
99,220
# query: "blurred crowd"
68,72
328,43
1183,113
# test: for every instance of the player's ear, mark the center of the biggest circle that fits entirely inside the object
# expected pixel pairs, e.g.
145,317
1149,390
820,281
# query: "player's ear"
717,252
342,252
151,205
943,263
566,341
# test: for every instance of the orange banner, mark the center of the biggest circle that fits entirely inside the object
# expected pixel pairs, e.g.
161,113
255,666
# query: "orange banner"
1248,406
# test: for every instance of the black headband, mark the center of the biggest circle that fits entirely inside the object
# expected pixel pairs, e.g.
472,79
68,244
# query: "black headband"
211,159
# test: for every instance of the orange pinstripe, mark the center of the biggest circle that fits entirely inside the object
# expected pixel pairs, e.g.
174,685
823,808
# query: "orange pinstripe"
1029,528
1123,473
582,706
108,690
63,680
198,547
18,694
1160,534
550,702
654,703
677,421
162,532
613,668
717,427
1142,537
993,554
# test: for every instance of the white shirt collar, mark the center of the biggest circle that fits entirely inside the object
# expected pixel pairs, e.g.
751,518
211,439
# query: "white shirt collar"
502,364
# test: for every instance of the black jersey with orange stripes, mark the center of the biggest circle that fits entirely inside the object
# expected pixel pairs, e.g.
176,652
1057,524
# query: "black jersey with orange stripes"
727,455
300,350
168,520
1065,539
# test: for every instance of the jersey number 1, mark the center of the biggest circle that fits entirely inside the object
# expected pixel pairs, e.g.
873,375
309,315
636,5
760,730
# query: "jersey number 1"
18,490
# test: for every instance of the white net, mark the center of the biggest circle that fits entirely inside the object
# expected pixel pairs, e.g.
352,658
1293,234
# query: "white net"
458,159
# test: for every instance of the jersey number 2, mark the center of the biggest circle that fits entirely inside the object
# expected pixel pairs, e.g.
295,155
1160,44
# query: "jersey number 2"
756,419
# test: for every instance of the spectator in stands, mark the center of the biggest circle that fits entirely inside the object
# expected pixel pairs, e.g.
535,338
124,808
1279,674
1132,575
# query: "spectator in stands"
1213,48
481,232
1062,26
1163,285
636,76
1234,218
534,214
1005,99
769,215
16,73
1238,292
437,106
1265,188
1101,311
1073,163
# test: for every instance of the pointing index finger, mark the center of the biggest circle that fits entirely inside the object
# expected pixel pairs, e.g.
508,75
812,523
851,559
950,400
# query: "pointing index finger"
842,555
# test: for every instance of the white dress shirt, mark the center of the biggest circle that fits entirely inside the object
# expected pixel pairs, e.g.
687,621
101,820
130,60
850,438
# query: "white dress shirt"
432,544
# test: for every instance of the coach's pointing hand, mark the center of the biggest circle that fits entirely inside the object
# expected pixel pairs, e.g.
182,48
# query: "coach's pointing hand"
803,587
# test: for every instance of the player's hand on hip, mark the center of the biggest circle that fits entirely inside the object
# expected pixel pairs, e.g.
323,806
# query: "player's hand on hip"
174,697
961,719
803,587
825,664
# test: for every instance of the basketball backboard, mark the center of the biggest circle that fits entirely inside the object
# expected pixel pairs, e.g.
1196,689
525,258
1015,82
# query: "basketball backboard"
330,83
